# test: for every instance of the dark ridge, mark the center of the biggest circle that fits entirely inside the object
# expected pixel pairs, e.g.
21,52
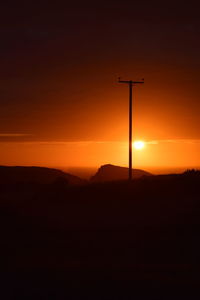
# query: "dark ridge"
112,173
114,240
18,174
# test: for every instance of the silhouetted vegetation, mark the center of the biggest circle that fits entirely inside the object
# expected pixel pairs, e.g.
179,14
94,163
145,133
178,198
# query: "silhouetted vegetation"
116,240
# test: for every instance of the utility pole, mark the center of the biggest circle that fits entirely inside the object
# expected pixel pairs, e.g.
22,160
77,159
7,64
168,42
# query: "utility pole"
131,84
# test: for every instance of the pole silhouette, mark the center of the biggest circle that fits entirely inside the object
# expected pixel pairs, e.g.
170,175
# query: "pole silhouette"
131,84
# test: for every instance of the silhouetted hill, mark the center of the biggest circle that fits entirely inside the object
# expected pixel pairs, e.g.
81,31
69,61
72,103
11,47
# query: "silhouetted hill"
114,240
40,175
112,173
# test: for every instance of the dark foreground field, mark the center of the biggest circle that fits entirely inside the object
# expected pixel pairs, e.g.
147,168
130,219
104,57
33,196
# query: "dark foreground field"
101,241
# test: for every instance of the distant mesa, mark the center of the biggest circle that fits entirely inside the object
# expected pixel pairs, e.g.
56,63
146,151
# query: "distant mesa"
39,175
113,173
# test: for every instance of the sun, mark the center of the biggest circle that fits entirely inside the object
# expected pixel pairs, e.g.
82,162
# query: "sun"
139,145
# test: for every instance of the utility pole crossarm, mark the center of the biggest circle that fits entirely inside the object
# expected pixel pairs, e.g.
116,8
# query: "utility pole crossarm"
130,81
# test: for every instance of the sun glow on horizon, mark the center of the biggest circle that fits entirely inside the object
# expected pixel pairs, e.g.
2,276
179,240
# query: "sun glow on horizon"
139,145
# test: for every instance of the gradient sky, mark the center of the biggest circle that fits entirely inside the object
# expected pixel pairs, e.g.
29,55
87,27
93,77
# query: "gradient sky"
60,104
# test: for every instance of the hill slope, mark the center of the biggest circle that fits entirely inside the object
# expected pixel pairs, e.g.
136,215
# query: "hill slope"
112,173
114,240
36,175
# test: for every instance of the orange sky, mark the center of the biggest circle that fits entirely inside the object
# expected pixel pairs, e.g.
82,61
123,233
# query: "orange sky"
60,104
91,133
163,154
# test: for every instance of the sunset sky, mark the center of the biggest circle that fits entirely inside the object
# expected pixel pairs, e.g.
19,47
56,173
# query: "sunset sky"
60,103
